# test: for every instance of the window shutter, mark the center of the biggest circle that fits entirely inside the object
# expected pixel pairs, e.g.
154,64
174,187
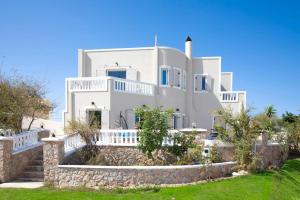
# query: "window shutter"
197,83
104,119
131,74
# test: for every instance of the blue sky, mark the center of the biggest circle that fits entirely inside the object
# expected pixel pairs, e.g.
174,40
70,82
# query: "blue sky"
258,40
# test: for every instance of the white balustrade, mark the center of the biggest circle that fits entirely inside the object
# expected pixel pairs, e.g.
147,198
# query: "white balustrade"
25,140
117,137
73,142
133,87
87,84
229,96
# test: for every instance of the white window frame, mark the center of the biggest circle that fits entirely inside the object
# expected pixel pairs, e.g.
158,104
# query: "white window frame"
168,75
175,73
206,83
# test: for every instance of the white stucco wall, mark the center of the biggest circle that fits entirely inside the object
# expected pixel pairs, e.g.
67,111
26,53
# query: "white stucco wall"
226,81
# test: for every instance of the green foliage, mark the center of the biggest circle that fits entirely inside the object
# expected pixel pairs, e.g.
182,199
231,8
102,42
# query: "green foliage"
241,130
192,156
214,154
181,143
291,124
153,128
268,121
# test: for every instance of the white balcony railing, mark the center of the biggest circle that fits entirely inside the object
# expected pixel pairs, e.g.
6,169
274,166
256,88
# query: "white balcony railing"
108,138
73,142
230,96
87,84
101,84
25,140
133,87
117,137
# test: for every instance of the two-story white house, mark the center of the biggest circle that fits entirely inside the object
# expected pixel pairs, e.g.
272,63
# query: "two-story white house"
111,83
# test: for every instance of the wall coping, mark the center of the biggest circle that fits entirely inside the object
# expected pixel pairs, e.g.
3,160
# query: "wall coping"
5,138
53,139
145,167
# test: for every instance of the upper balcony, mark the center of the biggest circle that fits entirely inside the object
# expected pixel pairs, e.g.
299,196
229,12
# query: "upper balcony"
233,99
101,84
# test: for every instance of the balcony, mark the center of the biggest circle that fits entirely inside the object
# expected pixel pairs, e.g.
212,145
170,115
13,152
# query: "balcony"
233,99
102,84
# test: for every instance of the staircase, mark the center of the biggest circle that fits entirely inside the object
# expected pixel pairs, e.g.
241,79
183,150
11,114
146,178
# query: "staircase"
33,172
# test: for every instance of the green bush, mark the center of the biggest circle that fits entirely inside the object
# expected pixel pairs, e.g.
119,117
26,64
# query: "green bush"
181,143
154,125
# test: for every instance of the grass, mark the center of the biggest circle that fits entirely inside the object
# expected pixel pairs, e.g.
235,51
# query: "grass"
272,185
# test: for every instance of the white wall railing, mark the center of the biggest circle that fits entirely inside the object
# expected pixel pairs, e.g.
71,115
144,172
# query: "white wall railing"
25,140
230,96
73,142
108,138
87,84
117,137
133,87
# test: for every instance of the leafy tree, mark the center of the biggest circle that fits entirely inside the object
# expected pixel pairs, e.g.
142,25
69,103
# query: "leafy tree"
154,124
291,124
20,98
268,121
241,130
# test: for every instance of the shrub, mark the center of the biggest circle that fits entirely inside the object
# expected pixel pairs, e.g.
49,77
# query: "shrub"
153,128
181,143
214,155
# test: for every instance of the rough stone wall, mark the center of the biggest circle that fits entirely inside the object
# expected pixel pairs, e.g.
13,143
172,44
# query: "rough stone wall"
53,153
123,156
93,176
6,146
20,160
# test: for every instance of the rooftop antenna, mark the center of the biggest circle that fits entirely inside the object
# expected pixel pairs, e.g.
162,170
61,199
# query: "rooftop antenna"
155,40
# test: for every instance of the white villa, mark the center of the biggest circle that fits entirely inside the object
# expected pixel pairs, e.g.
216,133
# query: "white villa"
111,83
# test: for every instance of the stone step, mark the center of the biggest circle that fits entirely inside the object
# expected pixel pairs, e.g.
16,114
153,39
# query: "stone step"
38,168
37,162
33,174
25,179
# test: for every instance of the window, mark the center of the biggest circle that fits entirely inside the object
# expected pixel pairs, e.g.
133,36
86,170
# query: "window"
201,82
164,76
117,73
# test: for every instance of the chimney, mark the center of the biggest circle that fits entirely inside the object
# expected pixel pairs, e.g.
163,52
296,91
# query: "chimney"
188,47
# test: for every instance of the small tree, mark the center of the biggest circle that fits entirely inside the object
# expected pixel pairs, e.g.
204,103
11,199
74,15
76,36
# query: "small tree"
268,121
154,124
20,98
291,124
242,131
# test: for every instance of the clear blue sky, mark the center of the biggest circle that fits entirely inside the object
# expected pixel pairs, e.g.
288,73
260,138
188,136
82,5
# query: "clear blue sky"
258,40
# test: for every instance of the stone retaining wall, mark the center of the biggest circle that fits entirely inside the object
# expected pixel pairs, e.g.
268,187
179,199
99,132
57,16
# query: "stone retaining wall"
124,176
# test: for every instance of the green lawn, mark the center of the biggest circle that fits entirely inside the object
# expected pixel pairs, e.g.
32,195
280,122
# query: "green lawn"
281,184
